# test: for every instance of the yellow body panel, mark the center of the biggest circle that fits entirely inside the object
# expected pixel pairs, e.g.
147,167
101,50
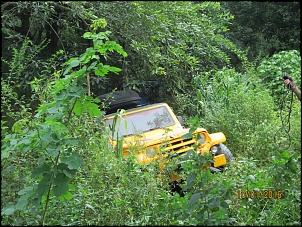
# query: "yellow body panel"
167,141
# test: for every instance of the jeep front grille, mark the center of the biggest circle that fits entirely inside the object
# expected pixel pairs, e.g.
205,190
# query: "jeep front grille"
178,145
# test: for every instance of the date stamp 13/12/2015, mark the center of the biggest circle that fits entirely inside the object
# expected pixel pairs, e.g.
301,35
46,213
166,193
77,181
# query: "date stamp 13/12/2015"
259,194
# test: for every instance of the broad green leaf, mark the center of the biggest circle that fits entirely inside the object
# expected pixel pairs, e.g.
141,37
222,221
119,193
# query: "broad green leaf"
69,61
187,135
99,72
225,203
242,211
4,154
96,100
62,95
61,189
202,159
54,151
69,173
55,108
87,35
40,170
21,143
115,70
44,185
8,209
94,110
64,168
112,69
72,141
215,185
44,143
57,127
67,196
91,66
80,75
45,139
17,127
73,161
214,203
25,148
72,187
59,178
190,180
67,70
83,57
74,63
111,45
60,184
100,36
77,91
194,198
25,190
36,202
78,108
23,201
98,43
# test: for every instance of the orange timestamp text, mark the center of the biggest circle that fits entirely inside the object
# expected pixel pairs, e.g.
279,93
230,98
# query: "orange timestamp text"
259,194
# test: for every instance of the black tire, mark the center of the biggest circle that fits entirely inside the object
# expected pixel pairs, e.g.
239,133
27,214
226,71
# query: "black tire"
175,186
222,149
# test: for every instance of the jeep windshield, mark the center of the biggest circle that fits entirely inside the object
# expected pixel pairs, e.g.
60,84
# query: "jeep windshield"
140,122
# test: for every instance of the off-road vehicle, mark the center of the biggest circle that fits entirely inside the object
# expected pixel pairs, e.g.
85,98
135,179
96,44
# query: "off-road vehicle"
155,132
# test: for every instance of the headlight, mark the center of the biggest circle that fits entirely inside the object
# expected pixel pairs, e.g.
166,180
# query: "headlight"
201,139
214,150
151,152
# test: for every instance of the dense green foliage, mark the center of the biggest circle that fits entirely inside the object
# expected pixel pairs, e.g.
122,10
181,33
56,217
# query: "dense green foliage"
264,28
56,165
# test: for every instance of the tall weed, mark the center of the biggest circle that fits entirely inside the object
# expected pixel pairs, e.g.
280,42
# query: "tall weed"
240,107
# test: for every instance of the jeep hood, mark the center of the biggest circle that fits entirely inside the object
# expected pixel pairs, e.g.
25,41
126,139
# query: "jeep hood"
155,137
161,135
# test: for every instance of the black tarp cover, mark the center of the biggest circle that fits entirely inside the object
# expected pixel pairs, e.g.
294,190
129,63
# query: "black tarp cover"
123,99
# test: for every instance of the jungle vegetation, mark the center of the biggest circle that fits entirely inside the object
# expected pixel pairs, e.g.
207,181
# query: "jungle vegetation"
218,64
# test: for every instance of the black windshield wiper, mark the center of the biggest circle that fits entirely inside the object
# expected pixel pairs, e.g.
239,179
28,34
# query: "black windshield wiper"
132,134
148,130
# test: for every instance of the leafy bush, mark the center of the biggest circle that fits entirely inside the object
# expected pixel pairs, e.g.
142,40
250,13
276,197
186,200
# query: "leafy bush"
208,199
271,70
49,137
238,105
266,196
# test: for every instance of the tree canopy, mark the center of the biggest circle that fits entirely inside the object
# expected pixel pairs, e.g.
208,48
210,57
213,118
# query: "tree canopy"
170,42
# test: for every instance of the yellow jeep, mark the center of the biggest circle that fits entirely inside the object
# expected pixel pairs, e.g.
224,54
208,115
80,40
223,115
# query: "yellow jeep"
155,133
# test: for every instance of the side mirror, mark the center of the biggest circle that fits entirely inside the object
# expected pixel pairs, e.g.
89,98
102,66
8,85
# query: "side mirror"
181,121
